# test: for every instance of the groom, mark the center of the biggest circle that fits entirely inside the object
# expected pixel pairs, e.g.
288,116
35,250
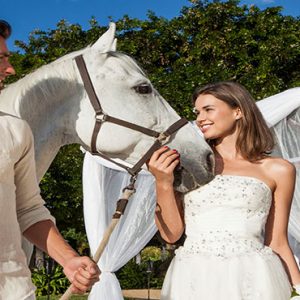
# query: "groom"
22,210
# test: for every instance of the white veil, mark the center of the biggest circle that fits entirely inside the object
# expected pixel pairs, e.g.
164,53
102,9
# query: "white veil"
102,186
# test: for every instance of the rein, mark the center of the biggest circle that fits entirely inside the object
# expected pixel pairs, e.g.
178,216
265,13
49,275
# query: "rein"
100,118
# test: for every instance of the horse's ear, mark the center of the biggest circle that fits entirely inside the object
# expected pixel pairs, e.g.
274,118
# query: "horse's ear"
107,41
114,45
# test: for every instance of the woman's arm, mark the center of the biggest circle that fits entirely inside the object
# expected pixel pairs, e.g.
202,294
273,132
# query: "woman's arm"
169,208
284,175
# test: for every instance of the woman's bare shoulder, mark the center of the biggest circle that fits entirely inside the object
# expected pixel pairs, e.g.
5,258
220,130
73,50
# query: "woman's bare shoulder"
278,168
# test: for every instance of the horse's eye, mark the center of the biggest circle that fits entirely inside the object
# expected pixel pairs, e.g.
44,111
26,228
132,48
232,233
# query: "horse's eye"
143,88
195,111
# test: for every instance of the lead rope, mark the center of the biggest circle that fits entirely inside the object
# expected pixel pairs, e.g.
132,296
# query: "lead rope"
128,191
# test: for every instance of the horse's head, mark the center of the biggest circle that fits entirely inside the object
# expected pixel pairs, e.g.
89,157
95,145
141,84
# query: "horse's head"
126,93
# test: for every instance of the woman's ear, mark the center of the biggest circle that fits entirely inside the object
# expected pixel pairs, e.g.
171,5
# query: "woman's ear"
238,114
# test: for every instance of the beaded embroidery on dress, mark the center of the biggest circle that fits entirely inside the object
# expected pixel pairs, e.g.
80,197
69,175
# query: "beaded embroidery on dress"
224,257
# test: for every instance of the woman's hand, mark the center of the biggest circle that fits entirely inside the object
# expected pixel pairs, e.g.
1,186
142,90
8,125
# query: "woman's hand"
162,164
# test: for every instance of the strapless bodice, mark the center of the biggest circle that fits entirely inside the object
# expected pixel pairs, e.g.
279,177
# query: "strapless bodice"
227,215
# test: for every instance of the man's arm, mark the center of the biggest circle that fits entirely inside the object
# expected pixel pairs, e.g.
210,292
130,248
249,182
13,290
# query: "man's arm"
37,224
81,271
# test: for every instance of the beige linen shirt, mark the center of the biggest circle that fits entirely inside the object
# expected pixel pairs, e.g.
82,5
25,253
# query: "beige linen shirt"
20,206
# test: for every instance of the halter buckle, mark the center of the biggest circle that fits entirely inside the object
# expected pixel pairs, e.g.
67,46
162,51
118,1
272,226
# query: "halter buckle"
101,117
131,184
163,137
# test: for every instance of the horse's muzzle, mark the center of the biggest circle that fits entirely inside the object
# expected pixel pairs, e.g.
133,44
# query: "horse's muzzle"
185,180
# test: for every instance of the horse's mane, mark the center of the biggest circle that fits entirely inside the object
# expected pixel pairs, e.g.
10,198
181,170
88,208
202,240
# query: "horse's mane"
129,63
57,81
41,82
57,76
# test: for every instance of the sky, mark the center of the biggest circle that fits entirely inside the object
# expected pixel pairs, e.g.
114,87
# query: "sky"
26,16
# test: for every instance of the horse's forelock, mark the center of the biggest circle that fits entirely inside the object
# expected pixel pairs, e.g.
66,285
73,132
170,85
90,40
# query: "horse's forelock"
128,62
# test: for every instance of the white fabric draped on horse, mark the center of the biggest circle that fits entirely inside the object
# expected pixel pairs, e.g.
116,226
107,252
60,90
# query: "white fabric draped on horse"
282,112
103,182
102,187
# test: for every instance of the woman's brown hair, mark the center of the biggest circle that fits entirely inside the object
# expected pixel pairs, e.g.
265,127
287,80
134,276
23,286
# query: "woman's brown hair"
255,140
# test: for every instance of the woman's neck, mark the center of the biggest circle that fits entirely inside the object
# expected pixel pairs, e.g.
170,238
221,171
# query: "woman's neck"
226,148
226,153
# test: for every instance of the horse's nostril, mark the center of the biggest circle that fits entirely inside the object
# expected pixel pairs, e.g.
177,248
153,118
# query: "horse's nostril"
210,160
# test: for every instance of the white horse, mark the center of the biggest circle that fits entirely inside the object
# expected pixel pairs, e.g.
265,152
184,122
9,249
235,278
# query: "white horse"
54,102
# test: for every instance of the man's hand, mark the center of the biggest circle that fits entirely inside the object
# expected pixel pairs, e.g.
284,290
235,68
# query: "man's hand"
82,273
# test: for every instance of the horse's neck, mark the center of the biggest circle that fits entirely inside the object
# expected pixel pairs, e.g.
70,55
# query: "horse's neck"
51,132
50,111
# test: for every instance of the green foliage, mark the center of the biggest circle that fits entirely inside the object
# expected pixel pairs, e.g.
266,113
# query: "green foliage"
213,41
55,284
135,276
152,253
294,294
130,276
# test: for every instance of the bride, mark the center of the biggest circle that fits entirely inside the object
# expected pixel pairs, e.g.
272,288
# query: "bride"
236,243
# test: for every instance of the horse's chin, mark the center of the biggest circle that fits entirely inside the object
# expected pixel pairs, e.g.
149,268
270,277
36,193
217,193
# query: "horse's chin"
184,181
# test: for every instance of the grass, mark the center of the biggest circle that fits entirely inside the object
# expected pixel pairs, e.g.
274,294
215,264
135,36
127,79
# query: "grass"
57,298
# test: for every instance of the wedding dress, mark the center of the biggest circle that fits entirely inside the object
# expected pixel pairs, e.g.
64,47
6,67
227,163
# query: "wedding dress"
224,256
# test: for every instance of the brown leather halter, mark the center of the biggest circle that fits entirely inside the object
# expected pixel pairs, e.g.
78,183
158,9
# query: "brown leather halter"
101,117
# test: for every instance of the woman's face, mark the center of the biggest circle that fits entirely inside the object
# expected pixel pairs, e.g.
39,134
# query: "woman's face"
215,118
